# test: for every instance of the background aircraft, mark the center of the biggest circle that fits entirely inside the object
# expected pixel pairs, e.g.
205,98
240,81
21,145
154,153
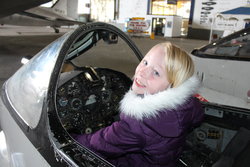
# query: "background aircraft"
223,67
9,7
62,13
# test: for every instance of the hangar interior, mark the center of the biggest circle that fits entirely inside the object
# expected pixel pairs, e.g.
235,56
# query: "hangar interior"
95,69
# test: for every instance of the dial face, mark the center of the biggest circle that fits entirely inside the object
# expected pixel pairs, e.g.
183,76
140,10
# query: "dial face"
76,104
63,101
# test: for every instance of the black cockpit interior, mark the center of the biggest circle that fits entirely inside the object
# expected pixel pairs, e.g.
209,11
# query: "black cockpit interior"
88,98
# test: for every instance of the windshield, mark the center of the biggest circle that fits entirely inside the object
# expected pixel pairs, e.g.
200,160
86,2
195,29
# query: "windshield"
27,88
236,46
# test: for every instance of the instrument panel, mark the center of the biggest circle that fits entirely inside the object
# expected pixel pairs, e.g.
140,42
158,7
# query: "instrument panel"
88,99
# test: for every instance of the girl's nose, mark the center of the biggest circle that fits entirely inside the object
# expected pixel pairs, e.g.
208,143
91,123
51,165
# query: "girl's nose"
145,72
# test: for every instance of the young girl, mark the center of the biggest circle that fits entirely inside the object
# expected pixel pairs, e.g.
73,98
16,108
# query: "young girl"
156,114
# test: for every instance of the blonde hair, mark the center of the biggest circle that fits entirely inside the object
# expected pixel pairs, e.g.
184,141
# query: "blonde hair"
179,65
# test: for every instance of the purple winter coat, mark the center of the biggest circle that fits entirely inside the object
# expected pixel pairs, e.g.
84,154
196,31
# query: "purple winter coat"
147,141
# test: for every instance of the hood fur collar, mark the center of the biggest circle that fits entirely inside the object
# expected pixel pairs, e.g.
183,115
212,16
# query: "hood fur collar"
149,105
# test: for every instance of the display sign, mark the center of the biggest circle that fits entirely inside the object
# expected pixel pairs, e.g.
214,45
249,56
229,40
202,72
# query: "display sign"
222,23
138,25
206,10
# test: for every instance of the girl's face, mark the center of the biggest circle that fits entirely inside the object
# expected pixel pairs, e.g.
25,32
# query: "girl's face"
150,75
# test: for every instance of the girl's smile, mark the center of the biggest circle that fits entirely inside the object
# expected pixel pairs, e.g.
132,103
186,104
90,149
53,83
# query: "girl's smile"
139,84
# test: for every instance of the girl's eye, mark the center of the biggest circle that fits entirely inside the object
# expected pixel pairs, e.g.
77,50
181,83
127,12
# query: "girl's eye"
156,73
145,62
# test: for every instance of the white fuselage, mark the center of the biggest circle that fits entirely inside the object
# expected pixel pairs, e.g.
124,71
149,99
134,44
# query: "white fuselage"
224,81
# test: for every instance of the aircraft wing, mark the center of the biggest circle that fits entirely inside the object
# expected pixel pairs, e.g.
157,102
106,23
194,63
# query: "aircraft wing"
9,7
54,21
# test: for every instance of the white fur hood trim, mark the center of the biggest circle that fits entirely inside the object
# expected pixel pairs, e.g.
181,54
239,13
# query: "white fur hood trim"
149,105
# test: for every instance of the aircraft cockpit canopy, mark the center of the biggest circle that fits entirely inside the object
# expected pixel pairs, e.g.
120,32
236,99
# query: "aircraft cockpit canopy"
61,91
233,47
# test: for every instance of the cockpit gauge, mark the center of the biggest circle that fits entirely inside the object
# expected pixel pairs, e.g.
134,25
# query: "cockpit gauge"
76,104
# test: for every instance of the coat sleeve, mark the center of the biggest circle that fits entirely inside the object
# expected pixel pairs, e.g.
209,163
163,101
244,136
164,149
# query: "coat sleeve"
198,113
117,139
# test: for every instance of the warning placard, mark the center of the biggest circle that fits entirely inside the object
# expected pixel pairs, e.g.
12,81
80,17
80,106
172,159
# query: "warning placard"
138,26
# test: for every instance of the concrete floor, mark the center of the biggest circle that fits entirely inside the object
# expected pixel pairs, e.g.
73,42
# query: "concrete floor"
17,42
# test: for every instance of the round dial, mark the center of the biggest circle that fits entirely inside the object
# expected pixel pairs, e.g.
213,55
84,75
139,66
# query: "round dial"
76,104
63,101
